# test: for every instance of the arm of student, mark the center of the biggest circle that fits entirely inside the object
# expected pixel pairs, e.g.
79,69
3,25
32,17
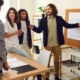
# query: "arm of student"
19,32
79,25
10,34
68,25
39,28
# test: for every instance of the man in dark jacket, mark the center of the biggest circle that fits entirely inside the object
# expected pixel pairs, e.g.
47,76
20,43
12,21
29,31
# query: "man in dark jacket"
52,27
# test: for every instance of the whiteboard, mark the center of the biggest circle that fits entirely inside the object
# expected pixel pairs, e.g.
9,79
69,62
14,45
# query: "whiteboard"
75,32
72,36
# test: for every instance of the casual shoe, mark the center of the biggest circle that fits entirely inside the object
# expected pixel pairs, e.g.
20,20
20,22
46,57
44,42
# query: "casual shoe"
57,78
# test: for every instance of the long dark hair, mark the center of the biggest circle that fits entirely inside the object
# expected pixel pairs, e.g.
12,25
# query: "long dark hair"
19,14
16,16
54,9
1,2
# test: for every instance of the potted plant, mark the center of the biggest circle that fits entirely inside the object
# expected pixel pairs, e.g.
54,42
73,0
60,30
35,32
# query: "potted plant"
42,9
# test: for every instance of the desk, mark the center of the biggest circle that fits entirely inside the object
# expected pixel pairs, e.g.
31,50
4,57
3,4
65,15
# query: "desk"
12,75
65,46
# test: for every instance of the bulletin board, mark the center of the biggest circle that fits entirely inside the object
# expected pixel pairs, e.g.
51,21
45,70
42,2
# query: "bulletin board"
72,36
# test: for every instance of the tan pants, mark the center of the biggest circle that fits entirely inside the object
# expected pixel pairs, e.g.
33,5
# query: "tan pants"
56,54
25,47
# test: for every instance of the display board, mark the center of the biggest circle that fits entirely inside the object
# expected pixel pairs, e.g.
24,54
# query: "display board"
72,36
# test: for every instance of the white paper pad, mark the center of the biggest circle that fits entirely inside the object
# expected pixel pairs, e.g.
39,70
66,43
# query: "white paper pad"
14,62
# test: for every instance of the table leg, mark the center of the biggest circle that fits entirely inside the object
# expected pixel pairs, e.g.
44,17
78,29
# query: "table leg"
34,77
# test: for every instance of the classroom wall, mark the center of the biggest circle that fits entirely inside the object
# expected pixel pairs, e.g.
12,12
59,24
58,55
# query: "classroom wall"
25,4
4,9
29,6
13,3
32,5
62,5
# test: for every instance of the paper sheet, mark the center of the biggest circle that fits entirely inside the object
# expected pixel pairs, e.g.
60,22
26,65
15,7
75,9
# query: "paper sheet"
14,62
10,60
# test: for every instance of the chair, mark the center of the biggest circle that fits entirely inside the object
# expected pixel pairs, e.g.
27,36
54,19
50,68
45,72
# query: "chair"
41,57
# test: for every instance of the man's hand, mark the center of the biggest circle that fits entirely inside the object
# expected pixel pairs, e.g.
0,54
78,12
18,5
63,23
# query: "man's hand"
31,27
79,24
20,32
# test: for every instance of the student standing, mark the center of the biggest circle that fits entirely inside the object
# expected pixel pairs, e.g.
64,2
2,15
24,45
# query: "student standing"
52,27
25,38
12,33
3,51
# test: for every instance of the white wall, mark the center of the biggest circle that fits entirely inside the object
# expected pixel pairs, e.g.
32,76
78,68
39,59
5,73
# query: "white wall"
6,6
29,6
4,9
38,3
25,4
13,3
62,5
32,5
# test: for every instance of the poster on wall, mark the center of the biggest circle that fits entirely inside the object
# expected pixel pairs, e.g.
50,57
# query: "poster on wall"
74,17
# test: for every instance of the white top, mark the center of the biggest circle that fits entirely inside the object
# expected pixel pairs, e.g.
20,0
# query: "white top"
24,29
12,41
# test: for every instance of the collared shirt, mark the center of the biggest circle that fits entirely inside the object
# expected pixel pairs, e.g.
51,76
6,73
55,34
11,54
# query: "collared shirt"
52,32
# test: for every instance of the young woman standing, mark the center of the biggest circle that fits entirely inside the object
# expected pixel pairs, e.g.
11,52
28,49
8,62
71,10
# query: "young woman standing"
25,38
12,33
